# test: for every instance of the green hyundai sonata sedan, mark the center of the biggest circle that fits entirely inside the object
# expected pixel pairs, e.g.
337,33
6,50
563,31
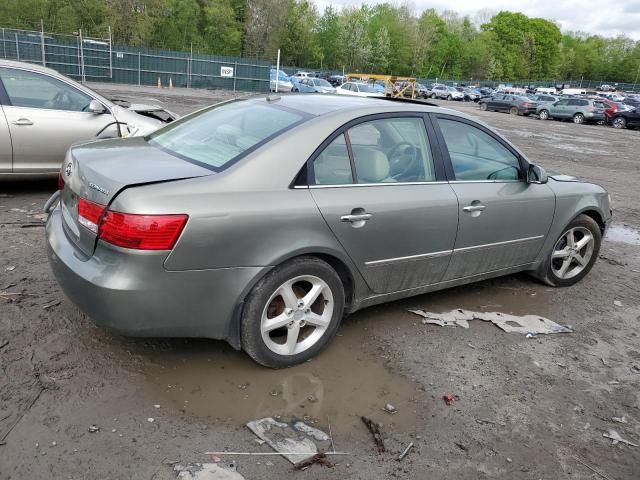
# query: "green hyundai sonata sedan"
263,221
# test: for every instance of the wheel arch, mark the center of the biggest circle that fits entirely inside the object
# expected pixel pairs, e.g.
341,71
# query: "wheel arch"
595,215
343,267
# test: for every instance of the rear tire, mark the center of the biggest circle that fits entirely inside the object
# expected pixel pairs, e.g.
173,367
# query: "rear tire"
483,107
619,122
578,118
449,98
569,260
279,327
433,95
513,111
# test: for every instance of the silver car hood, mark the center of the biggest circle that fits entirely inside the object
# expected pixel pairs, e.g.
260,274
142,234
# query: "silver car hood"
137,124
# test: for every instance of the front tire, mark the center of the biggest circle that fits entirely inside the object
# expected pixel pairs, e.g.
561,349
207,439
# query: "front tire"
292,313
619,122
573,254
449,97
483,107
543,115
513,110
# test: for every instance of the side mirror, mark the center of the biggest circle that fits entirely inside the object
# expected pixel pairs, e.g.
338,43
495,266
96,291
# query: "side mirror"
96,107
537,174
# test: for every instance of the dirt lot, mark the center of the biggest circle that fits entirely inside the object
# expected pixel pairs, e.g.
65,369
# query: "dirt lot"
528,408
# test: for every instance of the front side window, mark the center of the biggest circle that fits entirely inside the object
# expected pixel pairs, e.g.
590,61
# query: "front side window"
215,137
562,103
34,90
391,150
476,155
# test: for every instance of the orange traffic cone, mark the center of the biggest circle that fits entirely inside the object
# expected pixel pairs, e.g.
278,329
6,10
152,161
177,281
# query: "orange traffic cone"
159,83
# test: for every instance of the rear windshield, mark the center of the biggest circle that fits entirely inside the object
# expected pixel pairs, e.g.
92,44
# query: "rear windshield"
217,136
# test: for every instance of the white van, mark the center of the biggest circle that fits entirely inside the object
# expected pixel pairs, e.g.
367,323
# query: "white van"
574,91
546,90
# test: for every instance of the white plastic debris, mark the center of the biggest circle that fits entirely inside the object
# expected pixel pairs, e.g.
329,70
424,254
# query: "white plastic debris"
296,441
527,324
616,438
207,471
619,419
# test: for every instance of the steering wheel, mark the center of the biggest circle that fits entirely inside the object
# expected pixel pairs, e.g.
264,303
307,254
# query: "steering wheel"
403,157
55,101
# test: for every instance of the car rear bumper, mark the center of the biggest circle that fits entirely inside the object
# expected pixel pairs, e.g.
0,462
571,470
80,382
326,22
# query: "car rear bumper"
131,293
527,111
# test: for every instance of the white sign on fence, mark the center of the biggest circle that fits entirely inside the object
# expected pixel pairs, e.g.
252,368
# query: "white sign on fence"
119,54
226,71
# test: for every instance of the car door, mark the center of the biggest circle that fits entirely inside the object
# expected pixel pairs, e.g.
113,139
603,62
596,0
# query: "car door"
381,190
494,102
6,151
559,109
503,218
45,116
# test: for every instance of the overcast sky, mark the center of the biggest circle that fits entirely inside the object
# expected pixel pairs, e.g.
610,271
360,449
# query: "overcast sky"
608,18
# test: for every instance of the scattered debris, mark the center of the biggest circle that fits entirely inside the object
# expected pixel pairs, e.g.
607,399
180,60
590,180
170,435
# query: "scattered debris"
404,452
603,361
635,368
619,419
207,471
151,419
156,406
293,440
333,447
52,304
509,460
93,428
376,431
319,458
593,469
461,446
617,303
527,324
389,409
11,268
613,382
616,438
450,398
3,343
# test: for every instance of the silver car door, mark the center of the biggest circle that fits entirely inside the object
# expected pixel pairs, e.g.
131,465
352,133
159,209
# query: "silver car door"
396,221
5,143
45,116
503,218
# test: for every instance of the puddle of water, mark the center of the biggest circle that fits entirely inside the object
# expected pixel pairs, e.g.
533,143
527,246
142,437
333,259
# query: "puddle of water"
622,234
210,381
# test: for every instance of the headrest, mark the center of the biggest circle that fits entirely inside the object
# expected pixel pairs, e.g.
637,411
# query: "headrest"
372,165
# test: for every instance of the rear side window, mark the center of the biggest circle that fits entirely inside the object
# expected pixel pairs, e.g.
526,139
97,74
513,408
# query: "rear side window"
219,135
332,166
476,155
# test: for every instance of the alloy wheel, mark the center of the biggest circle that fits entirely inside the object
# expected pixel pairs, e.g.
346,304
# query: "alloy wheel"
544,115
572,253
618,122
297,315
578,118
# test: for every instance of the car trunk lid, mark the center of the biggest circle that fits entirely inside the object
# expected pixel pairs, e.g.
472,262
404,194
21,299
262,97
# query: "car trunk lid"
94,174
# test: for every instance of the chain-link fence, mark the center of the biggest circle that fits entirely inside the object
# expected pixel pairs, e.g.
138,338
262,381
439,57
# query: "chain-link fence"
99,60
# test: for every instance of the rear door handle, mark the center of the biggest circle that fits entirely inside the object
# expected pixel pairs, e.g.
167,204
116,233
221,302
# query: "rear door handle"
474,208
22,122
356,218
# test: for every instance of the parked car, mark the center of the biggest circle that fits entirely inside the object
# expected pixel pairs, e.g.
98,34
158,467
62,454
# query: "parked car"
336,80
514,104
544,99
317,85
611,108
545,91
447,93
626,119
471,95
300,86
577,109
45,112
358,90
607,88
422,91
284,83
230,226
301,74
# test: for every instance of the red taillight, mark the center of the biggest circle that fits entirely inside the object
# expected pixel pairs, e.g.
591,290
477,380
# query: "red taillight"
141,232
60,181
89,214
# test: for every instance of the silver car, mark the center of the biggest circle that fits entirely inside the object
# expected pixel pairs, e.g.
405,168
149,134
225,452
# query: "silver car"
263,221
42,113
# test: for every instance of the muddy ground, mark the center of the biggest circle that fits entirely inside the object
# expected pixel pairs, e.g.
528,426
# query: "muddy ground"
528,408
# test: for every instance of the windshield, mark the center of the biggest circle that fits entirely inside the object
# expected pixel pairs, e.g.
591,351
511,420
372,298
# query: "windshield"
217,136
365,87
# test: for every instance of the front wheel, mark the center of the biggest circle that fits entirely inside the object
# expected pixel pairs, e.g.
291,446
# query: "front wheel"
292,313
578,118
619,122
513,110
449,97
433,95
483,107
574,253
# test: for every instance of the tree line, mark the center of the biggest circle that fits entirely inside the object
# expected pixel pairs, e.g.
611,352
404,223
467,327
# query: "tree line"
382,38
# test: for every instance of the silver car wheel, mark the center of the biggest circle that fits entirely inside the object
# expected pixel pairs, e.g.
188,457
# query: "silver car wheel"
297,315
618,122
544,115
572,253
578,118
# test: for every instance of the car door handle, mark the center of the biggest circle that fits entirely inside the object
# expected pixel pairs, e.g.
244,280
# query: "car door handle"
474,208
353,218
22,122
